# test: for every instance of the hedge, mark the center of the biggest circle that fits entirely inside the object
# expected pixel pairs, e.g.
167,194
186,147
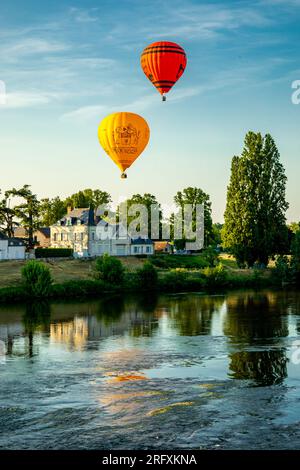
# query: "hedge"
53,252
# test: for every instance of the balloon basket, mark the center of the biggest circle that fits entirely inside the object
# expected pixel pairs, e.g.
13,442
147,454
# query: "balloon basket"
164,98
123,176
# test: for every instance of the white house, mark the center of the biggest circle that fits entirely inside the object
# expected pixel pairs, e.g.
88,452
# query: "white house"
89,235
142,246
11,248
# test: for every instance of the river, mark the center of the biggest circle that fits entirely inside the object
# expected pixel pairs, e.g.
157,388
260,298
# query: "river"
184,371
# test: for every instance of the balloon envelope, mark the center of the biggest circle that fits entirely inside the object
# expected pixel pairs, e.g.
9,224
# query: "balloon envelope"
123,137
163,63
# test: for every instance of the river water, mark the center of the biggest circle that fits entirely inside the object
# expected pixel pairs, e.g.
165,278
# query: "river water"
184,371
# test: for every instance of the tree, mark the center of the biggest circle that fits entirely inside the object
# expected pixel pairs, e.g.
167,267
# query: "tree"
196,196
217,233
27,212
294,227
88,198
147,200
255,225
7,216
51,210
295,258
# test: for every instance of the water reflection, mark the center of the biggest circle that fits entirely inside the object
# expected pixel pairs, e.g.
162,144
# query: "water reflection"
178,371
255,325
192,315
257,320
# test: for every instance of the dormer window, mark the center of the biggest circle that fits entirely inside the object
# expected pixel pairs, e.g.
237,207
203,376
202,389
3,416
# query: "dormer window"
69,221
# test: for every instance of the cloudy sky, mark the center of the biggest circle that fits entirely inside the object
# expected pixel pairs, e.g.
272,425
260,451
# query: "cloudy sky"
67,64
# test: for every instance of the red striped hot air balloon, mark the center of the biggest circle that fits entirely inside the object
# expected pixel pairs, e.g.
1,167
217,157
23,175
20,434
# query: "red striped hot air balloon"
163,63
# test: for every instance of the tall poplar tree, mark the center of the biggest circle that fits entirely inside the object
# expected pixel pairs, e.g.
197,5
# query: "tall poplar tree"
255,224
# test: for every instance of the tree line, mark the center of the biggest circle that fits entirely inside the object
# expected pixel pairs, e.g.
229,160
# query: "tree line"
254,228
20,207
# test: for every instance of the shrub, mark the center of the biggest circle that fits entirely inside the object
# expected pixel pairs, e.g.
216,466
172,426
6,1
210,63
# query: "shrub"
216,276
282,270
210,256
174,281
147,276
109,269
79,289
36,279
12,294
53,252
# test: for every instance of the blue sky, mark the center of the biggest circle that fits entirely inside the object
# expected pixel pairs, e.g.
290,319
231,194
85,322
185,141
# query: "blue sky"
67,64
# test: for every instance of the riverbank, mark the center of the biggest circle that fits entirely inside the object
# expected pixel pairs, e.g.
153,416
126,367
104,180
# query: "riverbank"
74,278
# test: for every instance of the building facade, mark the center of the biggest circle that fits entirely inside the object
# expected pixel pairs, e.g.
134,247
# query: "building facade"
41,236
11,248
89,236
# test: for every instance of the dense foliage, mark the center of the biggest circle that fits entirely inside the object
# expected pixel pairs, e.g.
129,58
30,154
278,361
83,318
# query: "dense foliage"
36,279
255,226
53,252
109,269
194,196
147,276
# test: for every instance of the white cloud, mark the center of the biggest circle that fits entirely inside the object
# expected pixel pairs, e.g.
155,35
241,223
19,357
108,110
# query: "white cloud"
194,21
88,113
84,113
26,100
84,15
30,46
293,3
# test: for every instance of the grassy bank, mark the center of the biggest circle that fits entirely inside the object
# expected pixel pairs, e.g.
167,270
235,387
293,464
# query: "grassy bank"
61,270
73,279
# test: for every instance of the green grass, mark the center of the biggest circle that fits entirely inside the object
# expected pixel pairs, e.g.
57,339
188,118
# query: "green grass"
228,261
179,261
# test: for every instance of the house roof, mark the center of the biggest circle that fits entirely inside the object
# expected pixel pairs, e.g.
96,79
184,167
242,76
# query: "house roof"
3,236
141,241
161,245
21,232
45,231
84,214
15,242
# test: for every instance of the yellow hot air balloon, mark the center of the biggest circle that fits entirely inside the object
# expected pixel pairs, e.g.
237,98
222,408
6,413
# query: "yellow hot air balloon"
123,137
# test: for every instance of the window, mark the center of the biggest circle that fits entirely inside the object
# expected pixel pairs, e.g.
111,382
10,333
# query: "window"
136,249
147,249
55,237
93,236
62,237
81,236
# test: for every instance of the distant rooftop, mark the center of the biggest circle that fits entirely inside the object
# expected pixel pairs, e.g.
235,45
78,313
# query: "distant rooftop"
141,241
